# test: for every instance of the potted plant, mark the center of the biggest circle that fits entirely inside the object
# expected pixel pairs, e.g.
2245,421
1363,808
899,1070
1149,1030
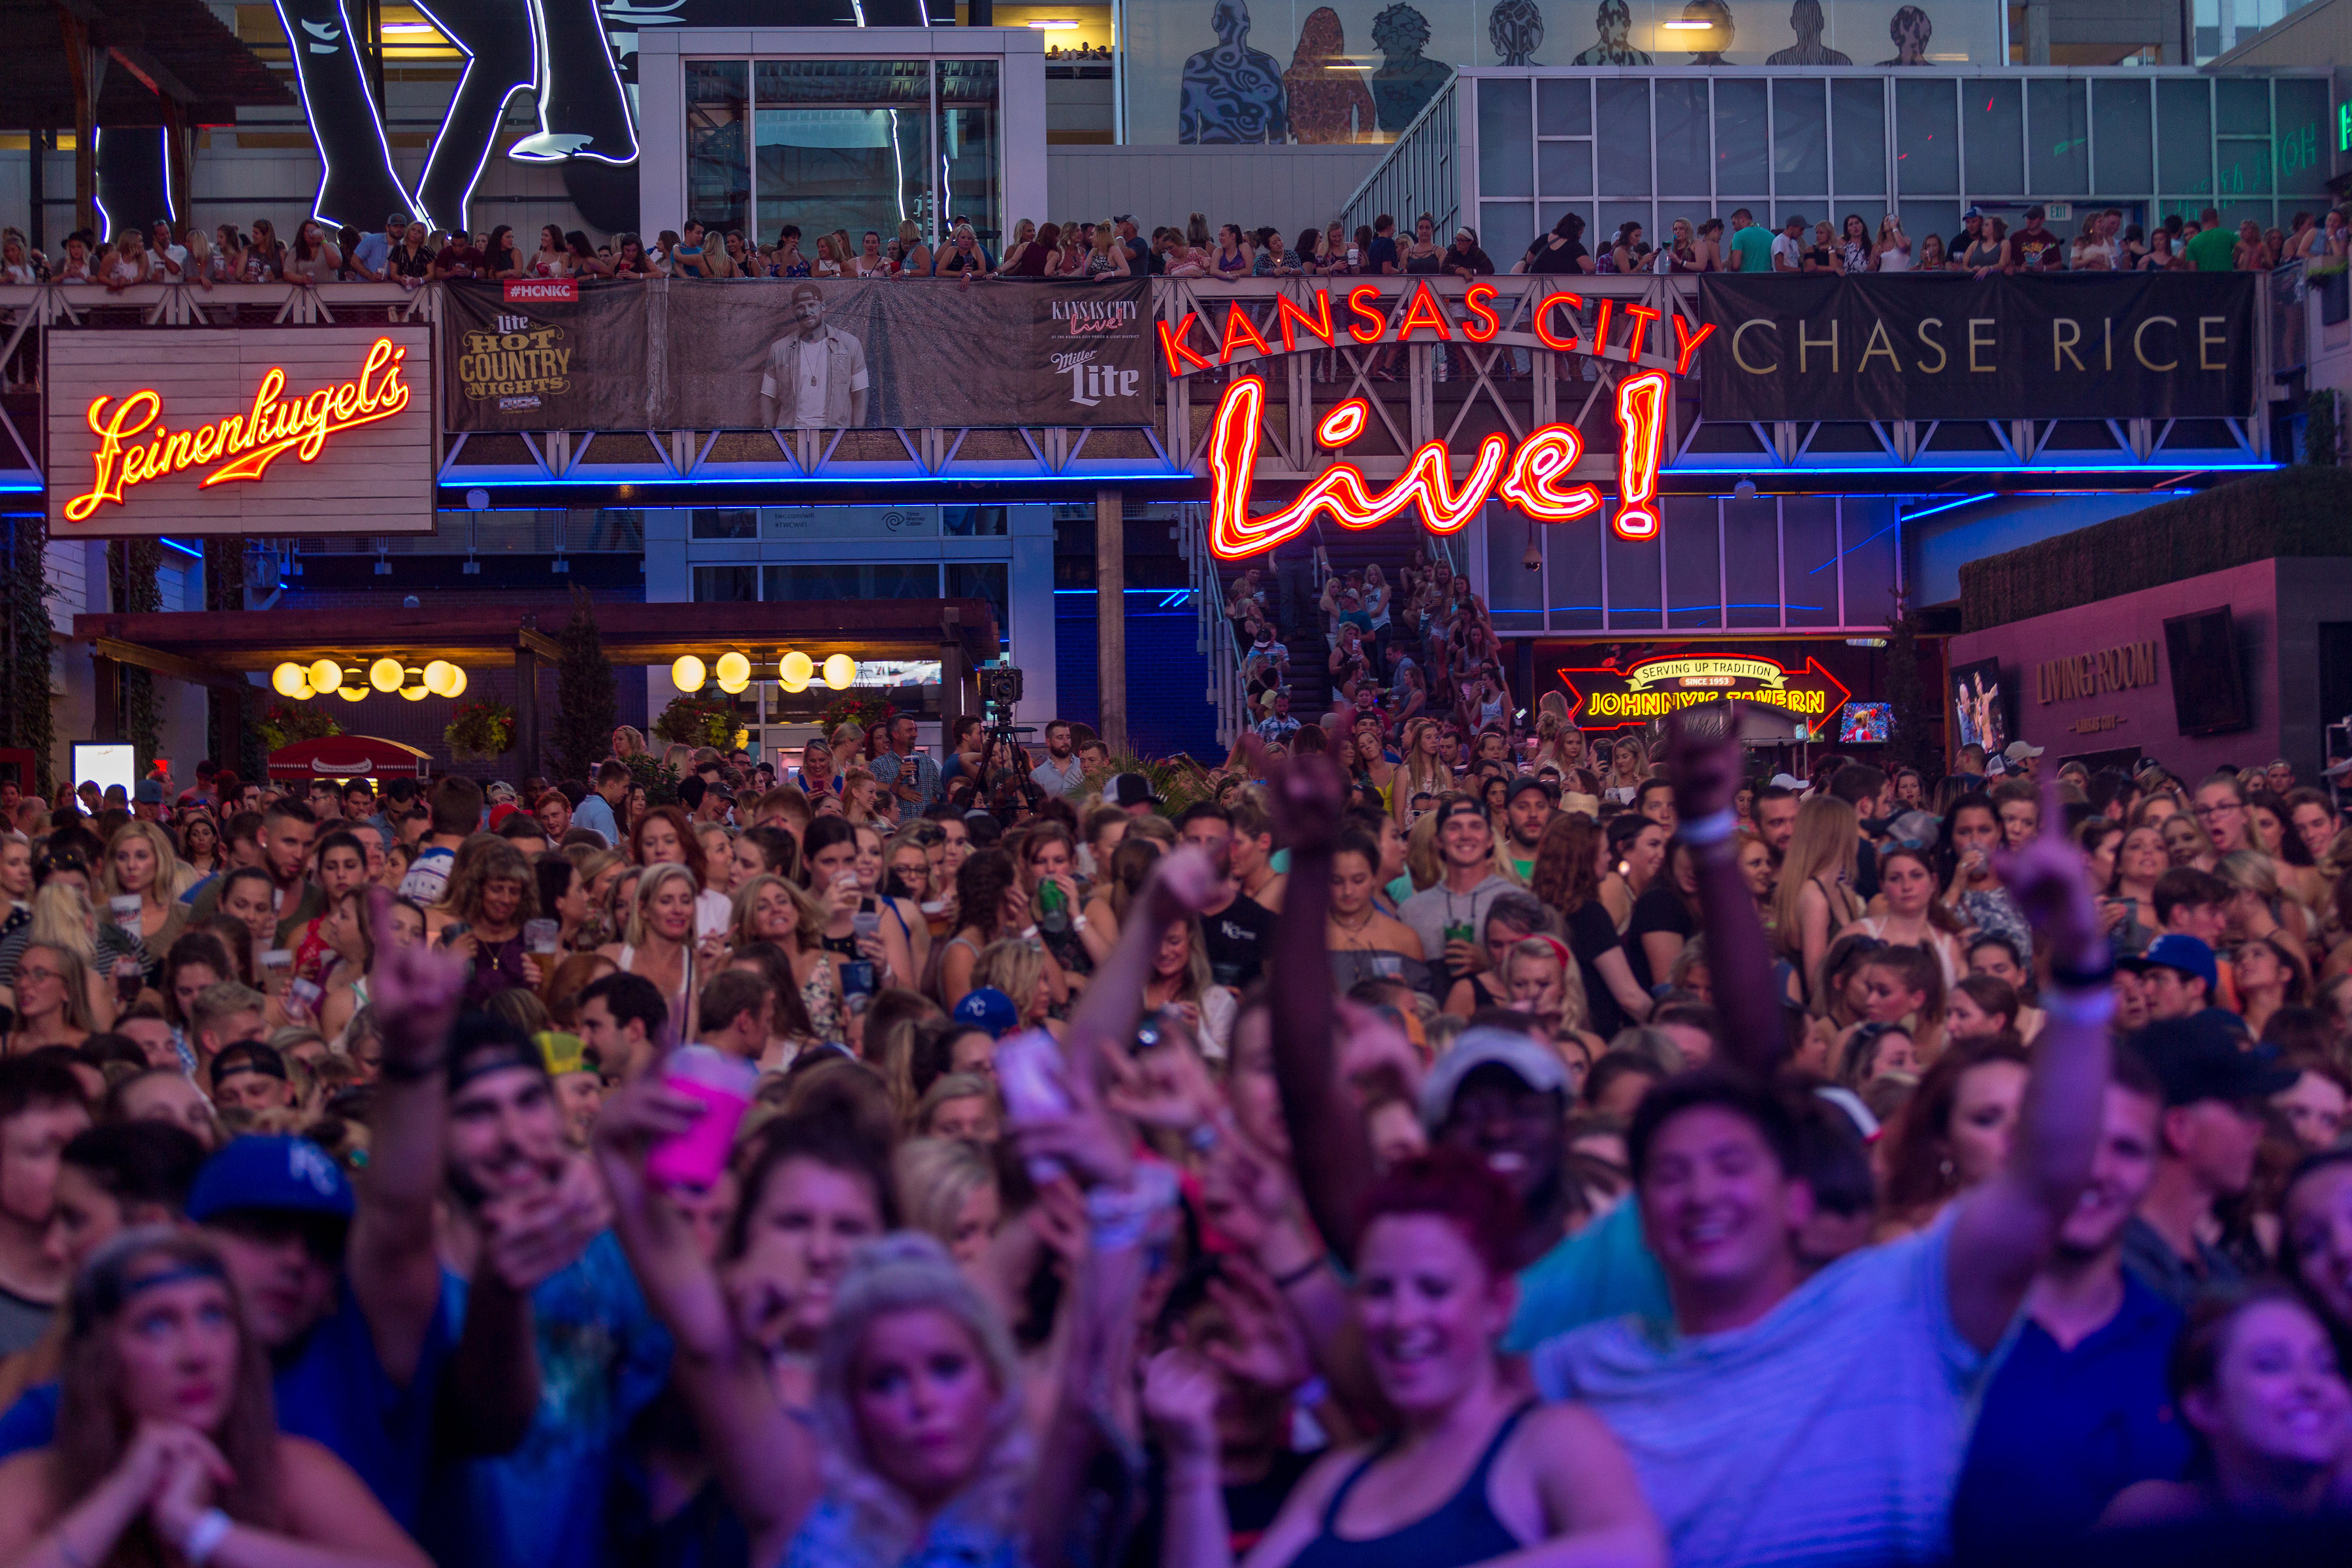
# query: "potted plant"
482,731
283,723
693,719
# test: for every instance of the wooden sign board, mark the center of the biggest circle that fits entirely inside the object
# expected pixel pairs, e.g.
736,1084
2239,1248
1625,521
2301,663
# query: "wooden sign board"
267,430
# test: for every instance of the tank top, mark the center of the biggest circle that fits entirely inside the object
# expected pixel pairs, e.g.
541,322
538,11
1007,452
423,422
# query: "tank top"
1462,1529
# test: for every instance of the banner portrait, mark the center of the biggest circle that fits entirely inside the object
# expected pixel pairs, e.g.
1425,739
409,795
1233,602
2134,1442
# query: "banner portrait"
1946,346
799,353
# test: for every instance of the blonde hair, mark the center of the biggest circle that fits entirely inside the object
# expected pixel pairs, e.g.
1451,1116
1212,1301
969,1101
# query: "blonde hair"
1013,967
935,1177
809,922
174,876
62,916
1575,1008
650,882
1827,838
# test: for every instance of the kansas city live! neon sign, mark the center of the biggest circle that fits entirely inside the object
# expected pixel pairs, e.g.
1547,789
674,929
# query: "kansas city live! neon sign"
1529,480
254,440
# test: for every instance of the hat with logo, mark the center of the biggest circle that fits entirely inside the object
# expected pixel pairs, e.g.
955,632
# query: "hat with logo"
2018,751
1973,211
150,792
2180,952
498,791
1130,789
990,1009
1539,1067
287,1174
2203,1056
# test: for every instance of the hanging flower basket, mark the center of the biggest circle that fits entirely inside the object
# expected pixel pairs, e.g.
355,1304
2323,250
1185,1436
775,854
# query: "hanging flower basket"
283,723
694,719
481,732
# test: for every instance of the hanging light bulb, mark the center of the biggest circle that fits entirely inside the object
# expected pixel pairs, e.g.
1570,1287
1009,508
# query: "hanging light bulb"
734,671
304,692
287,679
840,670
352,690
415,693
458,688
687,673
441,678
384,674
326,675
796,665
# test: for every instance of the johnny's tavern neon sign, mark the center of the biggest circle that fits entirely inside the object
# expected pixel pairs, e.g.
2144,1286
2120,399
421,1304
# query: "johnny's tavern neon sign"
135,447
1529,478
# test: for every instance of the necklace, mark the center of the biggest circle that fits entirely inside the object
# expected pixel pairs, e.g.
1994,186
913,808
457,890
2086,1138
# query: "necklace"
1361,927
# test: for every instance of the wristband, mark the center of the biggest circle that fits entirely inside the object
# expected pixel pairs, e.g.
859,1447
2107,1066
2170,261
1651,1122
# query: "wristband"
2092,1009
1713,828
1303,1273
203,1537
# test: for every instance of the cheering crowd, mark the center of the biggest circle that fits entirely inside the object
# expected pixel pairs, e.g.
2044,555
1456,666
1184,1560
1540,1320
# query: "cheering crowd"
1697,1168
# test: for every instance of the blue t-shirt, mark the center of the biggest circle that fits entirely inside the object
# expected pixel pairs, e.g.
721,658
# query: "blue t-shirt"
332,1389
1606,1270
1384,249
602,1357
2060,1432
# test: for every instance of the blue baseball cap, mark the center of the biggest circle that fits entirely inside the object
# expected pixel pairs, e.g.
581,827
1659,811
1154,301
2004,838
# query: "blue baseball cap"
990,1009
2176,950
287,1174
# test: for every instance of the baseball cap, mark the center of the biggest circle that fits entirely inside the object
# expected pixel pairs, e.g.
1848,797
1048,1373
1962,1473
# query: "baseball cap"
2201,1056
1454,808
562,1052
1537,1066
499,790
2178,950
1915,829
990,1009
1525,782
289,1175
1130,789
248,1056
1786,780
2018,751
1973,211
150,792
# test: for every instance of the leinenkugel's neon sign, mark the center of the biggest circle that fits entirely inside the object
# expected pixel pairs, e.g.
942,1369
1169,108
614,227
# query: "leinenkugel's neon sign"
1529,478
134,447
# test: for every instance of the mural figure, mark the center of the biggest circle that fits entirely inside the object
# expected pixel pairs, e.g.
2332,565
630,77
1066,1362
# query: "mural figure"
1720,32
1614,22
1329,99
1407,79
1516,29
1910,28
1805,20
1232,93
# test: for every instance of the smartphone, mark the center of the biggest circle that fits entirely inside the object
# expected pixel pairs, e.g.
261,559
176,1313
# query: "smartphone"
857,978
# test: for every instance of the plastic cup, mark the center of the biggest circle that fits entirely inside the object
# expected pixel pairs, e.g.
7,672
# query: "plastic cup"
538,936
696,1157
125,907
277,958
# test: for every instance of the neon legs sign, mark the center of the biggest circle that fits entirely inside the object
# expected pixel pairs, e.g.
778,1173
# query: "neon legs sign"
1530,478
134,446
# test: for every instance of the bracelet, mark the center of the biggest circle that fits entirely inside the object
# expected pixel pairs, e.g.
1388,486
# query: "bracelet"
1713,828
2092,1009
1079,923
1030,934
1301,1274
204,1536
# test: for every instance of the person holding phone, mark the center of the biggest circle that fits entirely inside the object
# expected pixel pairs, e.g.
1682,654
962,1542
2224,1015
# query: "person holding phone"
872,951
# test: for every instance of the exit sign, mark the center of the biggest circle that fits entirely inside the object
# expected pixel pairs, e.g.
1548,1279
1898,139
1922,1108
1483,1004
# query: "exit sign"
2344,127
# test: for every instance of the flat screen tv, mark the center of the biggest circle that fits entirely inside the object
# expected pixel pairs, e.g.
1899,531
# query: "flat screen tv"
1866,723
1981,705
2208,692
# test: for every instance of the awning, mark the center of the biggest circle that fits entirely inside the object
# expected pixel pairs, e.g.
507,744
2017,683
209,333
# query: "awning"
348,757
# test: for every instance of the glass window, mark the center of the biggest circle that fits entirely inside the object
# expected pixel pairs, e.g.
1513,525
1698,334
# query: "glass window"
1613,214
2058,149
1623,114
1505,230
718,155
2302,135
1571,572
2242,106
1801,145
1633,580
1994,112
1549,213
2242,166
1682,136
2123,158
1858,134
1514,593
1503,139
1922,219
726,585
989,580
1743,141
972,521
852,581
1694,567
1926,139
1868,527
971,161
843,145
1563,108
1564,168
2184,138
709,522
1808,530
1751,561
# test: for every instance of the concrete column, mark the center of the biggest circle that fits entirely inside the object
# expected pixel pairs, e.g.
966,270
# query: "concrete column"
1110,617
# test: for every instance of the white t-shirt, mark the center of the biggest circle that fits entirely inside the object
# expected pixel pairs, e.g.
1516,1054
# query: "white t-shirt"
1828,1433
1790,251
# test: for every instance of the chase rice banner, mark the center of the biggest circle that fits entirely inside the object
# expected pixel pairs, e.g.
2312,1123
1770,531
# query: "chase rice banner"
773,353
1947,346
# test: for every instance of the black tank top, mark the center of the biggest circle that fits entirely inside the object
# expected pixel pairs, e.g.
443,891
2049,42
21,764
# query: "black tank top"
1462,1531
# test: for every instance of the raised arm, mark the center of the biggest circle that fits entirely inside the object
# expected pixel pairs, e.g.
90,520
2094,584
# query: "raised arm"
2004,1229
1703,760
1104,1021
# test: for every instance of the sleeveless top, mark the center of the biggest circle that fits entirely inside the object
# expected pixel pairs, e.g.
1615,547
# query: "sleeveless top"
1463,1529
1237,267
679,1001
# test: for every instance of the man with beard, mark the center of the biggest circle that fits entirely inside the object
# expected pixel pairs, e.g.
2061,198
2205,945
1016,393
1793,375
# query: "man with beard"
2080,1408
528,1209
1527,812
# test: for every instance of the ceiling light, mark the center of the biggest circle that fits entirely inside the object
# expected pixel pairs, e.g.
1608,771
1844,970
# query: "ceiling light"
840,671
326,675
1055,24
441,678
686,673
288,679
1686,25
409,30
734,670
386,674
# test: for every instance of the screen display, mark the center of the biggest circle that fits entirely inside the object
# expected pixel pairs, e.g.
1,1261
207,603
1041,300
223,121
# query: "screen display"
1979,705
1866,723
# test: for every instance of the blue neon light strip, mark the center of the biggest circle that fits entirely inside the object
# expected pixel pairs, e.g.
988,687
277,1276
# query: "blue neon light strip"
183,549
1949,505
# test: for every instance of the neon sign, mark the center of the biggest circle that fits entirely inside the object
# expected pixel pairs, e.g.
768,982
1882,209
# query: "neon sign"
135,447
1607,699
